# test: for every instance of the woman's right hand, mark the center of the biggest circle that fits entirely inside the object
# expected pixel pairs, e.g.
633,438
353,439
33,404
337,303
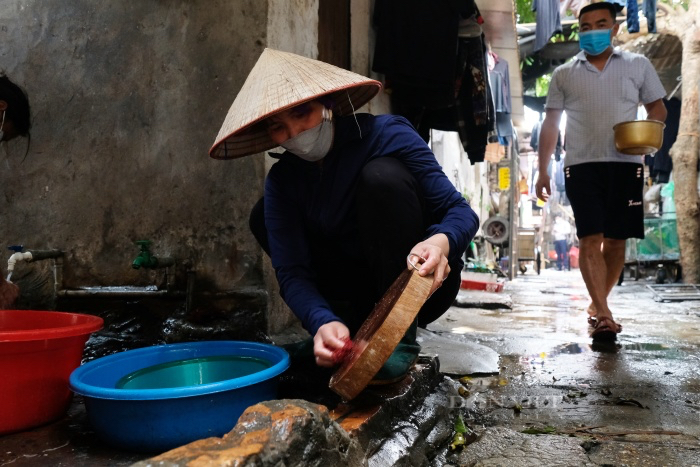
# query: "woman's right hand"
329,337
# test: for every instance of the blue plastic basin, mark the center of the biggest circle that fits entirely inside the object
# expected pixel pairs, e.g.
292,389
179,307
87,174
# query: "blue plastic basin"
158,398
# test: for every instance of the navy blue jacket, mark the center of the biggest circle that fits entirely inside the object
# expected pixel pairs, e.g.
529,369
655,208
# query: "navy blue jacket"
305,201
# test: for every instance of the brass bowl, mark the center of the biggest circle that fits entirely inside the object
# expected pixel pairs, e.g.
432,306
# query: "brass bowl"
639,137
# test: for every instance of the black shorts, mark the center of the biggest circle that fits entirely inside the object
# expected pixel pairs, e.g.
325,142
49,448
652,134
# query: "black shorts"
606,198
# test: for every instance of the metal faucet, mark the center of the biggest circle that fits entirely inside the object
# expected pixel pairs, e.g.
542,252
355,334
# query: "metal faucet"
146,260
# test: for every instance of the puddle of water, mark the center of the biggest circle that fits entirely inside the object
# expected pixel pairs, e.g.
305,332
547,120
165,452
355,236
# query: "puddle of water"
465,330
651,347
540,359
570,349
544,311
655,350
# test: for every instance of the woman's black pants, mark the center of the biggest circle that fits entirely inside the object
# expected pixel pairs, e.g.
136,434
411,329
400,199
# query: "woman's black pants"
392,218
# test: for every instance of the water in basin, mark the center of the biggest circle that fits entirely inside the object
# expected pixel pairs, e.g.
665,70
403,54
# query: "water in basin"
193,372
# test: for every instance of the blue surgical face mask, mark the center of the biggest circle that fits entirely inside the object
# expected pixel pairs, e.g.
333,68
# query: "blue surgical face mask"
313,144
595,41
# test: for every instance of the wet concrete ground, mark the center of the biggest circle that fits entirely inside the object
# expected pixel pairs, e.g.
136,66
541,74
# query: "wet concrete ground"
549,398
634,402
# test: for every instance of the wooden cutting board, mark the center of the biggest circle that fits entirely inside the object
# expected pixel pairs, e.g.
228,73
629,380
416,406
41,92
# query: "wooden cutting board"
381,333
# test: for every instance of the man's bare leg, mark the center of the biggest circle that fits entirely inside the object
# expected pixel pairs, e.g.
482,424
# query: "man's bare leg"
614,256
595,273
613,252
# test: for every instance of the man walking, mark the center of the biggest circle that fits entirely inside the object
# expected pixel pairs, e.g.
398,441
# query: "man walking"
600,87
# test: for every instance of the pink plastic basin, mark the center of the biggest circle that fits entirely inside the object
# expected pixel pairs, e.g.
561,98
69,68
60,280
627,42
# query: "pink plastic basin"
38,352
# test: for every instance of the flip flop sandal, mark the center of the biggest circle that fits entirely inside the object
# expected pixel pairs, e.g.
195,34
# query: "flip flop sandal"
605,329
593,322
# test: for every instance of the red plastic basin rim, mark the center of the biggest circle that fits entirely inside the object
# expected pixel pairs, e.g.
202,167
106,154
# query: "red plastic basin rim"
76,324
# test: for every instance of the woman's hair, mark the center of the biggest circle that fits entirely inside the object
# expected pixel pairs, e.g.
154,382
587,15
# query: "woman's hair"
17,105
328,101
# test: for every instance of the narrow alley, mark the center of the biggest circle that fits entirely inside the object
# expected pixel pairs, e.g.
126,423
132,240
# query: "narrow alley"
558,399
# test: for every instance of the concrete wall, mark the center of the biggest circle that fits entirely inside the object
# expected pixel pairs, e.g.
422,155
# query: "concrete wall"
362,52
293,27
470,180
127,98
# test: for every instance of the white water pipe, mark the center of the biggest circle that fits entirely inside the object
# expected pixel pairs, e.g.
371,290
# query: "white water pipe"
15,257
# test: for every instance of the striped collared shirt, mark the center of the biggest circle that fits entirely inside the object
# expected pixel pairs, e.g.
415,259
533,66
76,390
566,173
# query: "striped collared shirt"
596,100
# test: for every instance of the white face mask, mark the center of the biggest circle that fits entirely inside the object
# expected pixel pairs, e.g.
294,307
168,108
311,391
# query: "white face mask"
313,144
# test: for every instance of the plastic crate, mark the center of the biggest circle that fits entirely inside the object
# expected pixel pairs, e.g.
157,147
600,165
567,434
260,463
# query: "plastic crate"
660,242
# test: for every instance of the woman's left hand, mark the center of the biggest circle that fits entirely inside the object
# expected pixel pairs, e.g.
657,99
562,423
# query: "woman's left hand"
433,255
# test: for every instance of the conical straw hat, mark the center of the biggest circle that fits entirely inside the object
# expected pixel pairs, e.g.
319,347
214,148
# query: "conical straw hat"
278,81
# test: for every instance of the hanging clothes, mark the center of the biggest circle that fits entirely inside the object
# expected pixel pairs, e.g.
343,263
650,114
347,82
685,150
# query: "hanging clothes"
535,135
535,140
661,165
570,5
416,45
618,4
436,79
475,108
500,86
548,21
471,26
632,16
649,8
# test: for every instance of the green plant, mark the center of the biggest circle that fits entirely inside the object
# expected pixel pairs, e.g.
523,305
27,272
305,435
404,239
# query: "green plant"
542,85
561,37
683,3
523,10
